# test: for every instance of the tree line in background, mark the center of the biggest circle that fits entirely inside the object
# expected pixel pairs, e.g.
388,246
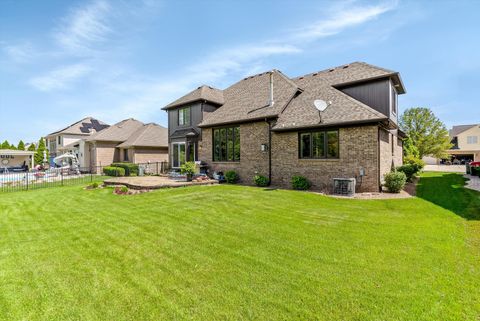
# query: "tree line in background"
38,148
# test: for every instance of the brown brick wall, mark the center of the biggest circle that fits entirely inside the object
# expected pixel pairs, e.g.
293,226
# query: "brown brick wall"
358,149
389,157
145,155
252,159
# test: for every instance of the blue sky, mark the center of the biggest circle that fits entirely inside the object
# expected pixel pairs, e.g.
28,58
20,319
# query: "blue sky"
111,59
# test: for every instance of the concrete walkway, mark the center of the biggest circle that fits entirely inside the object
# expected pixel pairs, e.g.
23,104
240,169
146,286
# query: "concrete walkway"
473,183
445,168
154,182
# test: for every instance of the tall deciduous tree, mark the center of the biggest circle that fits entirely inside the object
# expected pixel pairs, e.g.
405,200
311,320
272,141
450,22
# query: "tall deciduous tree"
427,135
39,154
21,145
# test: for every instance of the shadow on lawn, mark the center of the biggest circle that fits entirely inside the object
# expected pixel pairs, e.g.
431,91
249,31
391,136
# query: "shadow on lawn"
447,191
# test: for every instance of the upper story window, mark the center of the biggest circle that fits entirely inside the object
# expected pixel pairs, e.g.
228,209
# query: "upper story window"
393,99
59,140
184,116
226,144
472,139
319,144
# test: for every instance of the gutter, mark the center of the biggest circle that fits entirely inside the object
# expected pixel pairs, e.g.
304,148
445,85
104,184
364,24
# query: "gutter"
344,124
269,122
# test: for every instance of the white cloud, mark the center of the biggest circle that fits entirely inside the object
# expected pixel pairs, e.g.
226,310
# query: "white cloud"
20,53
60,78
84,28
341,18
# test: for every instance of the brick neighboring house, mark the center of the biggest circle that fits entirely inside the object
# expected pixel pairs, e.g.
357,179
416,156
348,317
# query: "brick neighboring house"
131,141
268,124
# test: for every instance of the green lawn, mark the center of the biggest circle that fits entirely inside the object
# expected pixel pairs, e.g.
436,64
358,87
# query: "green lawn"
232,252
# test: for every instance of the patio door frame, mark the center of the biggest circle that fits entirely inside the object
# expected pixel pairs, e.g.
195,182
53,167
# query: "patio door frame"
176,147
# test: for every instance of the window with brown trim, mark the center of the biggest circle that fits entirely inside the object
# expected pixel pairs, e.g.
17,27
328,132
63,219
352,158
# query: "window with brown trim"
318,144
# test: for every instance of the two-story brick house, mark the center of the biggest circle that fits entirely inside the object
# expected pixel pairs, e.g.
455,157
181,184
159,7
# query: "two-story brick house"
340,122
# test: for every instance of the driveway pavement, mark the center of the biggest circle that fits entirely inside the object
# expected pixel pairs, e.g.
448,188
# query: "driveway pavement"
473,183
445,168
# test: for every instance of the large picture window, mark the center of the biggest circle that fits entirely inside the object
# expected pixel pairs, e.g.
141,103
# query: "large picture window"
319,144
226,144
184,116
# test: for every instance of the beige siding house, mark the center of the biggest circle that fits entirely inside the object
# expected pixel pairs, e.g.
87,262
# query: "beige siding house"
466,143
129,141
72,139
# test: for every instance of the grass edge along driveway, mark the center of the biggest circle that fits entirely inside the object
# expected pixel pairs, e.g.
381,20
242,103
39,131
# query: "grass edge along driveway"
233,252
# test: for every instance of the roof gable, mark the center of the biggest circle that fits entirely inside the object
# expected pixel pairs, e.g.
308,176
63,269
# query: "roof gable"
119,132
149,135
248,99
204,92
86,126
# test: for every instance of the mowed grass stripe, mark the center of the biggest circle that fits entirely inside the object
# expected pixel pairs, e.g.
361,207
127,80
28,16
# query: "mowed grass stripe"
232,252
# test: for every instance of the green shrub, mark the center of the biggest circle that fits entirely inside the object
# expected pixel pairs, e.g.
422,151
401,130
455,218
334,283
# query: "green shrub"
395,181
417,163
94,185
475,171
231,177
188,168
300,183
130,168
260,180
124,189
409,170
113,171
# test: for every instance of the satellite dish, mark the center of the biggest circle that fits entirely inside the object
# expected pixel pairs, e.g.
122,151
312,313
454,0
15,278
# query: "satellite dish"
321,105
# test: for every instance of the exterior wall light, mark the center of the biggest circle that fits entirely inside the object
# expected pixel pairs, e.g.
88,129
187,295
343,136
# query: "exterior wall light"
264,147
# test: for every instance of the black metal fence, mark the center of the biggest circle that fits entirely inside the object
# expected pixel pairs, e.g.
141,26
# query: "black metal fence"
11,181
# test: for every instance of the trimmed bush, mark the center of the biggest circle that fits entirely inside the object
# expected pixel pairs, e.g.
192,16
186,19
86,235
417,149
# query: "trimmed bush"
260,180
417,163
409,170
300,183
475,171
395,181
113,171
231,177
130,168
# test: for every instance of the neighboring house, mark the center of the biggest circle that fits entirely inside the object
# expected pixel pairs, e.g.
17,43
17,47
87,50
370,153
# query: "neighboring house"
72,139
129,141
268,124
466,143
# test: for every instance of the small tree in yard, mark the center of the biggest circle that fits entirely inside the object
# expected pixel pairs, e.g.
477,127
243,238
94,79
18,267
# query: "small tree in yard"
39,154
427,135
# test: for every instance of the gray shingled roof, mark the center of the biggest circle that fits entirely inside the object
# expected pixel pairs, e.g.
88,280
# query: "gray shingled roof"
460,129
149,135
204,92
119,132
246,99
85,127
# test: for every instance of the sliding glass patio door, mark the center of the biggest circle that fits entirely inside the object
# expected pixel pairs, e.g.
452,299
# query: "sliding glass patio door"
178,154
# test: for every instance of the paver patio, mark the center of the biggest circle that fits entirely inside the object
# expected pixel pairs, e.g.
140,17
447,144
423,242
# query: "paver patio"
154,182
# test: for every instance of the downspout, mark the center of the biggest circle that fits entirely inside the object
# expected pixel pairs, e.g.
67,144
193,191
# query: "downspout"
271,102
269,152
